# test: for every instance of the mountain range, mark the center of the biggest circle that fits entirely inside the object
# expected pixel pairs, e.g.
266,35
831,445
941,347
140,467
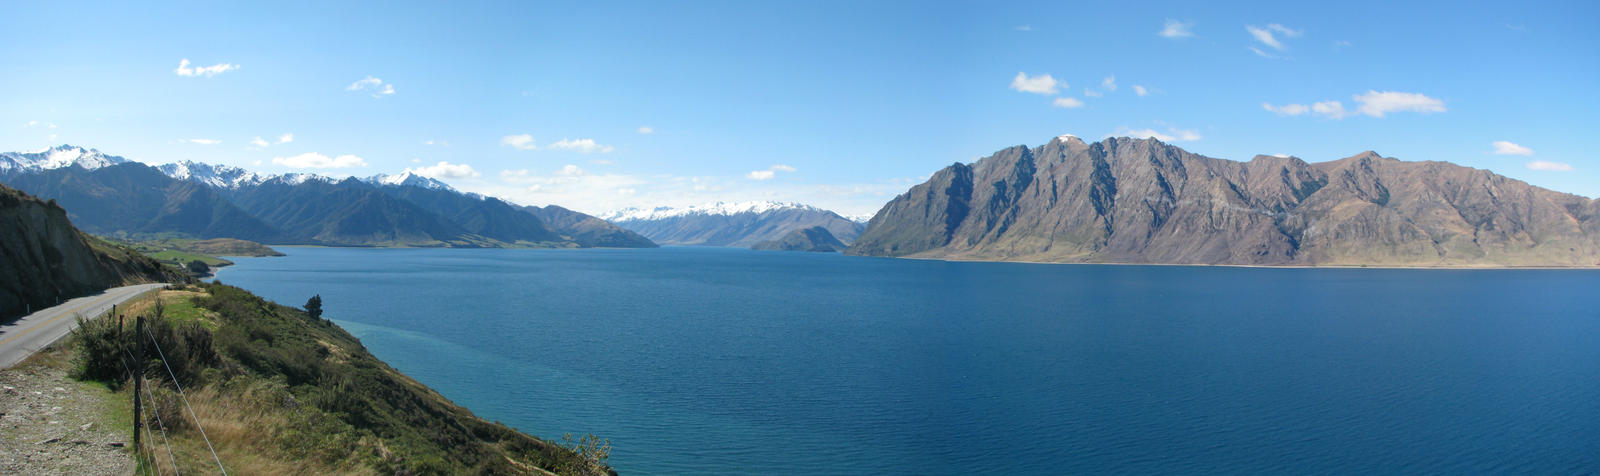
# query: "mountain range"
1125,200
111,195
735,224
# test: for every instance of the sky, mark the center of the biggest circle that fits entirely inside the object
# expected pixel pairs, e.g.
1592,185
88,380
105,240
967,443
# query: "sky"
598,106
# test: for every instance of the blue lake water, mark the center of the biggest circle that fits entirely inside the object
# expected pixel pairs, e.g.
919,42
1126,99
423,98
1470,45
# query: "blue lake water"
727,361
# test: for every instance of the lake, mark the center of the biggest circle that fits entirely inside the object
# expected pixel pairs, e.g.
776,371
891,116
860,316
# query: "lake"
731,361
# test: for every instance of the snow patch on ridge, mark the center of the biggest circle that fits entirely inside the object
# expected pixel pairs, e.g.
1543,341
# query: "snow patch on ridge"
718,208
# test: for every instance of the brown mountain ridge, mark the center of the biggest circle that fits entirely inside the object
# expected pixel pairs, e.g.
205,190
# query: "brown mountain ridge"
1125,200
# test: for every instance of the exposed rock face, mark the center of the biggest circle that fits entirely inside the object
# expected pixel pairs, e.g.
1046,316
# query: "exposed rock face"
815,238
45,258
1142,201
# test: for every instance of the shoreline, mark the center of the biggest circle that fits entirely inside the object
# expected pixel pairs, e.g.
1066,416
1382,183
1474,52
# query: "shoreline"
1257,266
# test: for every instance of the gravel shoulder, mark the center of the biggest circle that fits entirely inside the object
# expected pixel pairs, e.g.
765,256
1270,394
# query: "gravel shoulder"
52,424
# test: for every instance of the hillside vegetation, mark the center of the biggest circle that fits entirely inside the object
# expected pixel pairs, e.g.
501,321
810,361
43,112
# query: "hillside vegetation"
279,390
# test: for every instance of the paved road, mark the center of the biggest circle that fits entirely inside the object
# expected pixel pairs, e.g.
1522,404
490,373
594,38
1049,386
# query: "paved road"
22,338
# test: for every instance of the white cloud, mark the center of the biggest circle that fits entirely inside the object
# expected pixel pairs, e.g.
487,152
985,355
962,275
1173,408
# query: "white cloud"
445,143
646,130
204,71
1024,28
1549,166
1510,148
201,141
1110,83
1068,102
1371,103
1171,135
1176,29
373,86
584,146
1287,109
262,143
443,170
1092,93
1376,104
570,171
256,163
1262,54
1268,36
286,138
313,160
259,142
769,173
1041,84
1140,90
519,141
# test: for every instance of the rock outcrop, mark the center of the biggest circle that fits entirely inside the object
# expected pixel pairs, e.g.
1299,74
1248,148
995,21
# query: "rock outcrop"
815,238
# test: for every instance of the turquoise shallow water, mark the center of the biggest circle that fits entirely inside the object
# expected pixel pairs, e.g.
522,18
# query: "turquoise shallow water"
727,361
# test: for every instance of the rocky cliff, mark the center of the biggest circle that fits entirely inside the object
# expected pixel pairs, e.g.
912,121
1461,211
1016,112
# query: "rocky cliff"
1125,200
46,259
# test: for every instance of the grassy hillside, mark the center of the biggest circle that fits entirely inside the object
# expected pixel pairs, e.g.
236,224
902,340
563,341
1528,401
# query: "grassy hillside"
44,260
280,391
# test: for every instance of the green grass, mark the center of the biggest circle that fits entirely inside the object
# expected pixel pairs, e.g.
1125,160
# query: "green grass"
184,257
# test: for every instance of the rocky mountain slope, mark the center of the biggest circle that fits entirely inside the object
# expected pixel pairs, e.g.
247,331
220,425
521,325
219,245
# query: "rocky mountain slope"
815,238
1125,200
740,224
47,259
111,195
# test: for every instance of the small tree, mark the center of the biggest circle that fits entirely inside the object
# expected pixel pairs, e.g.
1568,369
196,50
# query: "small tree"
314,307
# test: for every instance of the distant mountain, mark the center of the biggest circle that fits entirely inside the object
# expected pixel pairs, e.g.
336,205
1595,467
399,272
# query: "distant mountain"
114,196
47,259
55,158
1125,200
815,238
588,231
740,224
134,198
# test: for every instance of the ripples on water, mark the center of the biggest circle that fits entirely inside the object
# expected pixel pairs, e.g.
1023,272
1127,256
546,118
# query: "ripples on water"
722,361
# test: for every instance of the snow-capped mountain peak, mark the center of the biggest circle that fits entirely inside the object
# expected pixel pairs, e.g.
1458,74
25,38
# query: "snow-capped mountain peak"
224,176
718,208
408,179
55,158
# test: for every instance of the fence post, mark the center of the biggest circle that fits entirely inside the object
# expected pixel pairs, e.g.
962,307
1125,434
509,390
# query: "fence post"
138,378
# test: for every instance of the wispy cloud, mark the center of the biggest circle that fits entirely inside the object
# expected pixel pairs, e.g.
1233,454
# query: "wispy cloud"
313,160
1092,93
1269,35
769,173
1176,29
1510,148
1549,166
1023,28
1041,84
444,170
374,86
440,142
519,141
1068,102
286,138
1140,90
582,146
203,71
1371,103
647,130
1172,134
1110,83
259,142
201,141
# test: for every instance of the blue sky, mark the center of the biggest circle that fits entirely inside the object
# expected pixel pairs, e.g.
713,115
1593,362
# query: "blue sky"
837,104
